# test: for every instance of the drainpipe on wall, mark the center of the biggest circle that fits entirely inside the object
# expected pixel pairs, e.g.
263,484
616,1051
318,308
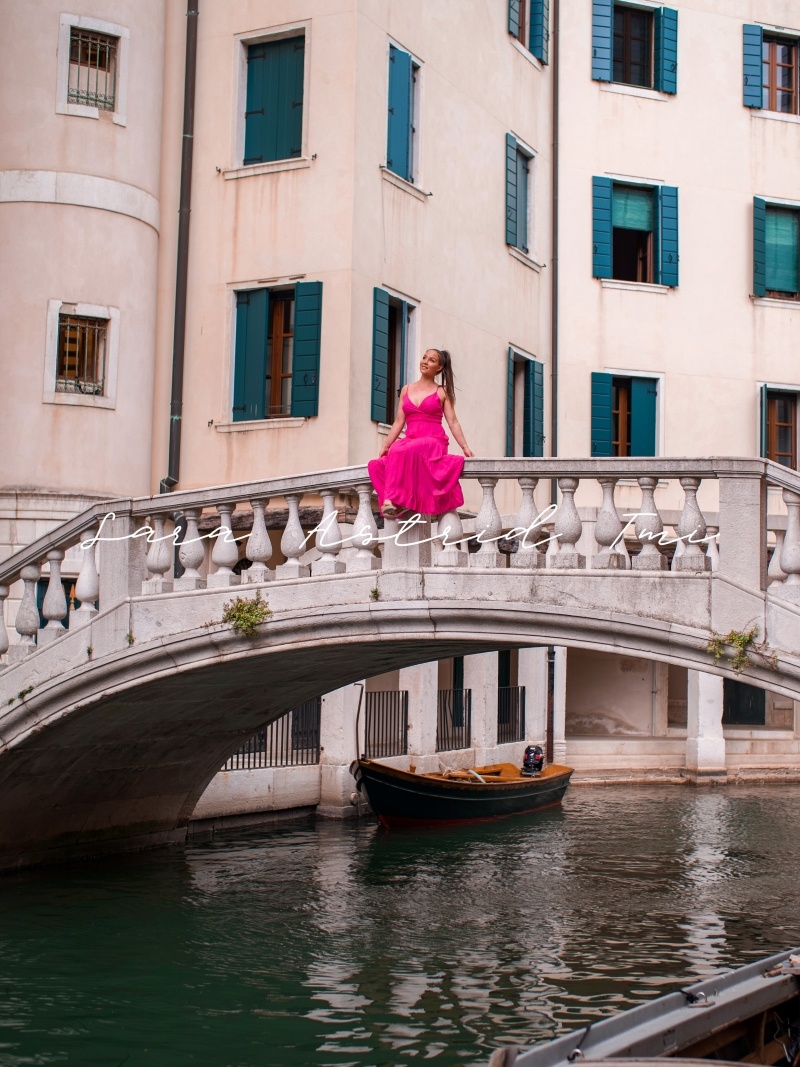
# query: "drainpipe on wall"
182,266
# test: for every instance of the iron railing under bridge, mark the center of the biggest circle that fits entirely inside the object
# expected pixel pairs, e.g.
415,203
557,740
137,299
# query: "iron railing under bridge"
453,719
291,741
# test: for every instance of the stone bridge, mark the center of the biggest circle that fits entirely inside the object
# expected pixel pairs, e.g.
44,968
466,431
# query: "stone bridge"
111,729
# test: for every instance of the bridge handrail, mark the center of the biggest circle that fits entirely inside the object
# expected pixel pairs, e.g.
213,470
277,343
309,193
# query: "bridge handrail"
742,482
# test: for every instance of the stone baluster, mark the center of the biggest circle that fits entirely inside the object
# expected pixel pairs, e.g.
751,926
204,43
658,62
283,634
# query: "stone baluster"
54,606
451,531
27,621
328,540
677,549
790,552
87,587
259,546
691,529
547,542
191,553
293,542
225,553
607,530
568,528
365,533
159,559
488,527
712,551
3,630
649,528
527,555
774,570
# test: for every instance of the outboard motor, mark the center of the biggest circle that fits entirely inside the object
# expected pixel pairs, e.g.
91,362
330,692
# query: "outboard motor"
532,761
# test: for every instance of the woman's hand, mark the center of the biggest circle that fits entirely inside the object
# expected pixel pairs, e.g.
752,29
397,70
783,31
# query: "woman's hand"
383,451
467,453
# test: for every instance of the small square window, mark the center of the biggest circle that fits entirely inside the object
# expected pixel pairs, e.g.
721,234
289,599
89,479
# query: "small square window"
92,69
780,67
81,358
633,46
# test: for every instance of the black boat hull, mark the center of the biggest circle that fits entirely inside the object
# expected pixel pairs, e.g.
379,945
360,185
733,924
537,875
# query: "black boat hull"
399,798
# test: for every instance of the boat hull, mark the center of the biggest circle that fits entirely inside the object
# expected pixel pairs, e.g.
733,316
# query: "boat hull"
400,798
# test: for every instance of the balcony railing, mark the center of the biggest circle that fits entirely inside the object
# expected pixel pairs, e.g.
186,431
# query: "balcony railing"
510,714
291,741
453,719
386,724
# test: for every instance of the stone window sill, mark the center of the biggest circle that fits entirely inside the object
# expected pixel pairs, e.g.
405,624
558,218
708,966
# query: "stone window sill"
635,90
83,400
259,424
637,287
401,183
252,169
523,257
523,51
776,116
774,302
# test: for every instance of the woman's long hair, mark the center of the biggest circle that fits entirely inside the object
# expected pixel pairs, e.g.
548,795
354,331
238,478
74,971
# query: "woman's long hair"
448,381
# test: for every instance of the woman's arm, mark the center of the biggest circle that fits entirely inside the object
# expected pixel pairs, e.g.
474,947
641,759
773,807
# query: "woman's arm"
397,425
455,425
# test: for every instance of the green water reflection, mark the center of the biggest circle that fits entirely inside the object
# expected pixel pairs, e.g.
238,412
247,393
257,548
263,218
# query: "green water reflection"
340,945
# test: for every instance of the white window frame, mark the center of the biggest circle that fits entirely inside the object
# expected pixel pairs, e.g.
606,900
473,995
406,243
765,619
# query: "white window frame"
50,395
82,22
777,387
242,42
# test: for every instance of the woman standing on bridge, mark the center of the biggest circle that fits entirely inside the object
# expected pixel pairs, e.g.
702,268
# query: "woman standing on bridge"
417,474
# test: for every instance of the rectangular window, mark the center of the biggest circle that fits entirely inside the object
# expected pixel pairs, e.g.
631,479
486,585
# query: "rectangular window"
81,359
623,415
781,244
518,165
273,117
779,66
779,427
390,341
635,232
633,46
525,406
277,352
402,128
743,704
92,77
529,23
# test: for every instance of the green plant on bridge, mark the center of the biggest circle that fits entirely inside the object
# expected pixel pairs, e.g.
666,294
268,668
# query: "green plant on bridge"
743,644
245,614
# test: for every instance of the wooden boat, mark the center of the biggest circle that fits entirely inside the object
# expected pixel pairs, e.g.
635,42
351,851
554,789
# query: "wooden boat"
405,798
750,1015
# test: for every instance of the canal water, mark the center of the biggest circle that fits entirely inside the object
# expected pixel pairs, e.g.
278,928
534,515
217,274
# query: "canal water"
342,945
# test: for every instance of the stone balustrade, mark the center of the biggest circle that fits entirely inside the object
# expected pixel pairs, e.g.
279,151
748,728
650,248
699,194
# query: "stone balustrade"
130,544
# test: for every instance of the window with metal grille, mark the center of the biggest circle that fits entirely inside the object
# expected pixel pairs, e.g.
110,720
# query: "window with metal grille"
81,362
92,69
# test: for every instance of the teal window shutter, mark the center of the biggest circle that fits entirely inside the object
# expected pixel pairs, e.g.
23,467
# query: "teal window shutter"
273,123
602,407
403,356
512,197
540,30
602,39
250,355
753,76
510,403
666,72
602,235
380,354
306,348
533,426
763,442
759,246
514,17
668,236
781,233
644,397
398,148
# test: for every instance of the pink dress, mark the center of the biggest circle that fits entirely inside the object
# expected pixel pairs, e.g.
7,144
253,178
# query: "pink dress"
417,472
